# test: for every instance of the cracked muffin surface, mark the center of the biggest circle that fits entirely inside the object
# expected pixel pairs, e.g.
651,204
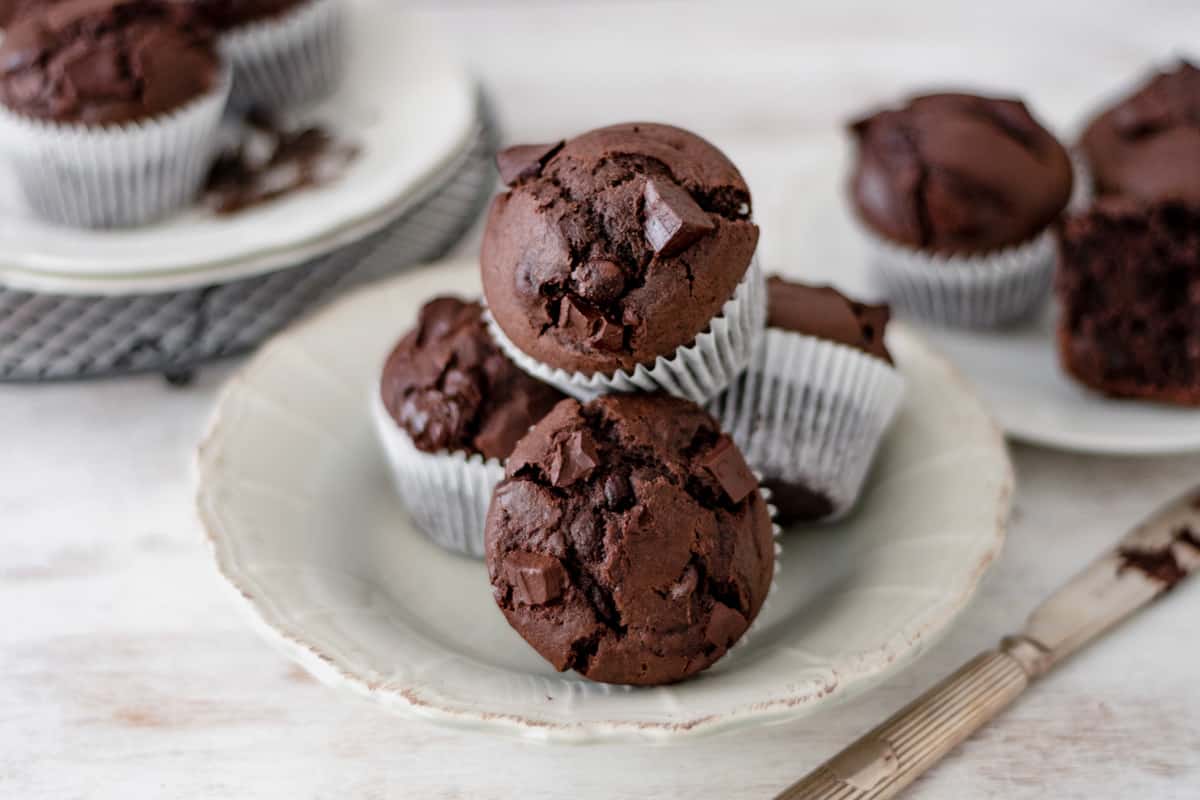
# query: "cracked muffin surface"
957,173
629,540
451,389
615,247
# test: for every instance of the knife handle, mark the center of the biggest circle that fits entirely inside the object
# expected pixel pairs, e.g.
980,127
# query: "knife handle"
889,758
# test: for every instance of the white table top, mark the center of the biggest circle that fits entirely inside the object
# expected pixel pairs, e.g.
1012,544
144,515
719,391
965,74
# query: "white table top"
125,671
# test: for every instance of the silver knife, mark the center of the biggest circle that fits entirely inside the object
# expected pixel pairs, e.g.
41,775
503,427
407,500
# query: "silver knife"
1146,564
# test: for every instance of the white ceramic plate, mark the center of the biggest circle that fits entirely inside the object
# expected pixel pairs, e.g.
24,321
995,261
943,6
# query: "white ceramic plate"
305,526
409,108
1015,370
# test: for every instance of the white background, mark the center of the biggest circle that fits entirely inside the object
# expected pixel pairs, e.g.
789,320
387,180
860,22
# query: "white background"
125,672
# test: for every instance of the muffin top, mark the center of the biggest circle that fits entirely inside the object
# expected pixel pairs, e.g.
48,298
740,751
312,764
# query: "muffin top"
1147,146
615,247
11,9
106,62
826,313
449,387
227,14
629,541
958,174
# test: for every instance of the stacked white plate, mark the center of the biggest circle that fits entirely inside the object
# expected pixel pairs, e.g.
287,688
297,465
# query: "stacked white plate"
75,303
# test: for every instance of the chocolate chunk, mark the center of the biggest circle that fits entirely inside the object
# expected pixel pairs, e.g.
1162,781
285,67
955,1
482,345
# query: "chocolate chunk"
573,460
536,579
524,161
590,325
727,465
673,219
725,626
599,281
617,491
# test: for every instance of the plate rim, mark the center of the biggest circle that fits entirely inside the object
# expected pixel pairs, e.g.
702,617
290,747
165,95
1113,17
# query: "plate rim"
868,667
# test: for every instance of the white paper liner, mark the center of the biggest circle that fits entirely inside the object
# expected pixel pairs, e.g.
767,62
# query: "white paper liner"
294,59
696,372
446,494
980,291
94,176
812,412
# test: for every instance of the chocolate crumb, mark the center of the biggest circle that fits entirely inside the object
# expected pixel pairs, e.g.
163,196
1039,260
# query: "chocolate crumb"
270,162
1188,537
1158,565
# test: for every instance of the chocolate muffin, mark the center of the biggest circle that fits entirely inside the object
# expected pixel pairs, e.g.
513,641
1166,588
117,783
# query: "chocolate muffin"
105,62
11,9
616,247
813,407
450,389
958,173
629,541
1147,146
1129,286
826,313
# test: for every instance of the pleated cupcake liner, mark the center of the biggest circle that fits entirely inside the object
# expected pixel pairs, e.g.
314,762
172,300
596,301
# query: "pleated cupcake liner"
109,176
812,412
696,372
981,291
289,60
447,494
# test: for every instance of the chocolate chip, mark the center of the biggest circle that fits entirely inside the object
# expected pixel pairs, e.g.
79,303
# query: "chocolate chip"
524,161
599,281
725,626
673,219
726,464
573,459
536,579
617,491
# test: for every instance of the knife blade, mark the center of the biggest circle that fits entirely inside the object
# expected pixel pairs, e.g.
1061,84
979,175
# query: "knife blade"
1146,564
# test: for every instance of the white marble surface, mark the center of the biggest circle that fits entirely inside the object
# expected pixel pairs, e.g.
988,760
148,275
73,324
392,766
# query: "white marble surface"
126,672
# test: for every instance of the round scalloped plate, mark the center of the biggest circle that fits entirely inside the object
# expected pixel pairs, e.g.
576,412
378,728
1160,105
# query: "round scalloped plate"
304,525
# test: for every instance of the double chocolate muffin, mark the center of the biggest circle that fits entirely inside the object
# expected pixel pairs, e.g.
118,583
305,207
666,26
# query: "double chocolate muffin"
1129,267
448,410
615,248
629,541
451,390
811,410
106,62
1147,146
958,174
